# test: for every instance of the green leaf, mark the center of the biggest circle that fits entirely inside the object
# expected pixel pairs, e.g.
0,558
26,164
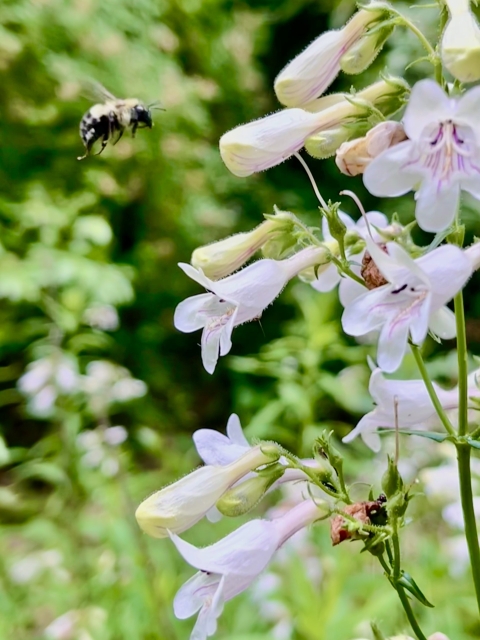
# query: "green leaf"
473,443
430,435
408,583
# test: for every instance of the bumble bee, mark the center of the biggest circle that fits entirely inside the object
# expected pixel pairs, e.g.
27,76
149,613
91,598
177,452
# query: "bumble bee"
112,117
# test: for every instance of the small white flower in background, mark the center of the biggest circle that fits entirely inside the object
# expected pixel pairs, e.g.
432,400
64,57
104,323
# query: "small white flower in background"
411,303
414,406
236,299
98,444
106,383
354,156
180,505
229,566
104,317
330,277
78,624
310,73
440,158
460,46
46,379
36,564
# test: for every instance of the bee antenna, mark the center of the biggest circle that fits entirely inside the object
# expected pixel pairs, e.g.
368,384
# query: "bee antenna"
156,105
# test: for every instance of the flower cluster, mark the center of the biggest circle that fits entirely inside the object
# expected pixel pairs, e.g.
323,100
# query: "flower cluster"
394,294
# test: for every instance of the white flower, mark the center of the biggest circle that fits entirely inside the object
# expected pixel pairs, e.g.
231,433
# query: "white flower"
411,303
310,73
330,277
460,46
236,299
182,504
414,406
441,157
229,566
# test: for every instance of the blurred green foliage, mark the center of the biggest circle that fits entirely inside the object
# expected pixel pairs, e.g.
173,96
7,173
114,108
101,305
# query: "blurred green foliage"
88,284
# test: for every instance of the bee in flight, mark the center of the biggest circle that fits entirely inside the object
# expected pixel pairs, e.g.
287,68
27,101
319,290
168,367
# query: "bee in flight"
112,117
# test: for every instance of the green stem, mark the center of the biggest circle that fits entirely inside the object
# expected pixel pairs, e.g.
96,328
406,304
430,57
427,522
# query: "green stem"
466,494
462,365
403,597
431,391
396,556
409,612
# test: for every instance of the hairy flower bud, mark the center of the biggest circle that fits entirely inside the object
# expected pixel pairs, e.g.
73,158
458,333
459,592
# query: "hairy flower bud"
266,142
180,505
243,497
460,46
354,156
362,54
220,259
310,73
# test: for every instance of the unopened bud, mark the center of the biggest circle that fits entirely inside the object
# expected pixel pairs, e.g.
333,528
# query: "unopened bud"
325,144
392,481
220,259
309,74
245,496
363,53
460,47
179,506
353,157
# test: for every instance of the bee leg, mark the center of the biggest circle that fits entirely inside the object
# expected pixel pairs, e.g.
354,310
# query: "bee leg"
119,136
88,148
134,129
104,144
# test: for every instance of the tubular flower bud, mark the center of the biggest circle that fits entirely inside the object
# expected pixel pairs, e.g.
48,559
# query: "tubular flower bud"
179,506
309,74
266,142
220,259
363,53
460,47
244,496
325,144
354,156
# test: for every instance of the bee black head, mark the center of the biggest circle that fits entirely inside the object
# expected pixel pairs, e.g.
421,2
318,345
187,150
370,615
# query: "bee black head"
142,114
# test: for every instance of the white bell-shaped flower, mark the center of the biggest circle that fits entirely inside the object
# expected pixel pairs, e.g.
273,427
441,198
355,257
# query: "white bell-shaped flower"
440,158
411,303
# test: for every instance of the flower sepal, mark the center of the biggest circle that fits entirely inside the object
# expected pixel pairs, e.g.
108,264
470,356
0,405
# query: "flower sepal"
243,497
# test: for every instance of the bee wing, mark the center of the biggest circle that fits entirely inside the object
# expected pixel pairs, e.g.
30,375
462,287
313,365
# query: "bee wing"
96,92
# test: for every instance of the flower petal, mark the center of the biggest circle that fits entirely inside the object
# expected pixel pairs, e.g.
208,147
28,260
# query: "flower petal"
235,431
392,345
211,348
360,317
192,595
195,274
428,103
448,269
187,317
327,279
244,552
436,208
349,291
442,323
468,108
386,175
